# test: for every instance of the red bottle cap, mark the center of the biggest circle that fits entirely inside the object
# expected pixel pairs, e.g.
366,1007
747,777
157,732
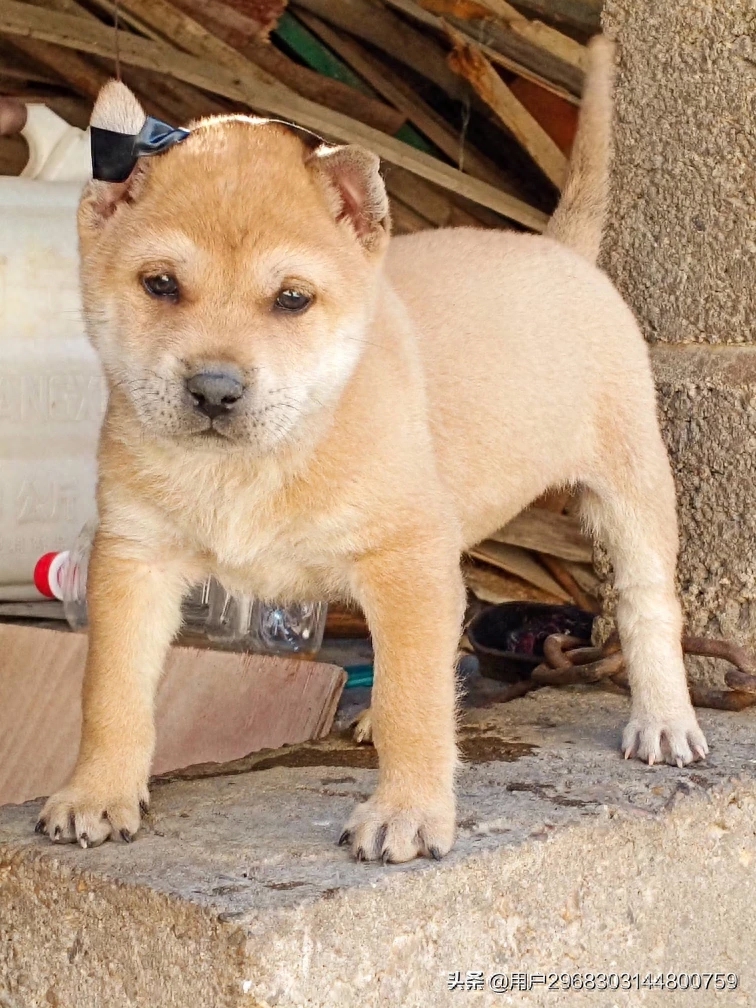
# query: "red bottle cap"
47,574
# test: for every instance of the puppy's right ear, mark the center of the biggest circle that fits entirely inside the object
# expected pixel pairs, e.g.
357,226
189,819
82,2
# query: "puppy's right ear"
116,109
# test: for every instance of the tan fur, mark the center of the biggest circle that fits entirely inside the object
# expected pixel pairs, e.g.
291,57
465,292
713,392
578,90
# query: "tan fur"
436,386
578,221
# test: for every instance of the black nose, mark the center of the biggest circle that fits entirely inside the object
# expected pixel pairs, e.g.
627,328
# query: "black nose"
215,392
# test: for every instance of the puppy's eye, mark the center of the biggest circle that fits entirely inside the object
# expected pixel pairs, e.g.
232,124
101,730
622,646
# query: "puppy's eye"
162,285
292,300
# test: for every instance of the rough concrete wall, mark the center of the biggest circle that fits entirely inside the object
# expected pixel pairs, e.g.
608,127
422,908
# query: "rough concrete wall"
707,401
680,245
682,239
74,939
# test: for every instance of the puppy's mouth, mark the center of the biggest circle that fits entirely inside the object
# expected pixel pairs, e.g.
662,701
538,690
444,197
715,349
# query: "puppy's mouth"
210,433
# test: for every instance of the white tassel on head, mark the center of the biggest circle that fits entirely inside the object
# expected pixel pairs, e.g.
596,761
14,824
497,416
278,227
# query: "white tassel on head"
117,109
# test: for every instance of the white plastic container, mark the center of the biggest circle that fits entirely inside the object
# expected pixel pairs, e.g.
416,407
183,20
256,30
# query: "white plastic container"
52,394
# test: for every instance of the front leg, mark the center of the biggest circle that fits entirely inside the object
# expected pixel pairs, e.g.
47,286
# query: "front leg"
134,610
414,601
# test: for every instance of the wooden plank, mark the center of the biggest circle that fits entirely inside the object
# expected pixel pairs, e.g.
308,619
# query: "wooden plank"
582,15
325,76
81,75
420,114
467,60
124,17
20,19
27,74
324,90
212,707
556,116
487,585
585,575
547,532
431,204
464,16
405,219
242,33
540,34
165,98
520,562
380,27
233,26
509,62
345,622
568,582
187,34
495,586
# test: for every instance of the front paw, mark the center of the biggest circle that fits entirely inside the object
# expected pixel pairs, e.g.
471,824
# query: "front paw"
362,729
393,828
88,812
675,739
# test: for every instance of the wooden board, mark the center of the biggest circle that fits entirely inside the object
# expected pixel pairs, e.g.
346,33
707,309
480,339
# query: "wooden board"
468,60
547,532
520,562
212,707
421,115
494,586
20,19
558,117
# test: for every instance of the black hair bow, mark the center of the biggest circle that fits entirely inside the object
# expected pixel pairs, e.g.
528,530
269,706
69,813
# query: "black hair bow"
115,154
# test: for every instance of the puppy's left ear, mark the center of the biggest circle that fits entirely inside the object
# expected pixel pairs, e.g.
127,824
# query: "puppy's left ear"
116,109
355,191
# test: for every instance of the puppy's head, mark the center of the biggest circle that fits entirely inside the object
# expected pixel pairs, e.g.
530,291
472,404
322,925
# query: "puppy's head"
228,282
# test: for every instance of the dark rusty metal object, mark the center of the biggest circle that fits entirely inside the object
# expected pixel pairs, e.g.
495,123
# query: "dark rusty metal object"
554,648
569,660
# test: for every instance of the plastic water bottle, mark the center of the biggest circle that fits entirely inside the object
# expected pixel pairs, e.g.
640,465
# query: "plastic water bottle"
227,619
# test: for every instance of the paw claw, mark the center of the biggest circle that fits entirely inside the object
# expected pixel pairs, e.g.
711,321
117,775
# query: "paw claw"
380,840
394,832
88,814
675,739
344,838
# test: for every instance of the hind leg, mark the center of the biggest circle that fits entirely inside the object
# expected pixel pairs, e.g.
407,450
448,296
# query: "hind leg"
631,507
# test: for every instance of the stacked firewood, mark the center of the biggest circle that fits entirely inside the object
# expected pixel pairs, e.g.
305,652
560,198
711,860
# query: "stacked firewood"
471,104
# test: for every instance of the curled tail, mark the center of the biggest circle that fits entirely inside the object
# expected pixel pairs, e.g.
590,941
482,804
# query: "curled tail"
578,220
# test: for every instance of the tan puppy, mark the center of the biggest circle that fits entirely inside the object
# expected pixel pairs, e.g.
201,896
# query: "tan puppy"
306,411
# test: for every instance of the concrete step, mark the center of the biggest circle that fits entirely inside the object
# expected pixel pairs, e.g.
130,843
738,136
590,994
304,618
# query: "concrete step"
569,861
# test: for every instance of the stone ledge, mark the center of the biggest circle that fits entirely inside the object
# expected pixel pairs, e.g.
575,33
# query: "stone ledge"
568,859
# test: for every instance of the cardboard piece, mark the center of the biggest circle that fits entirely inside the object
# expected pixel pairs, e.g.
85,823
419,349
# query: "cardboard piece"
212,706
